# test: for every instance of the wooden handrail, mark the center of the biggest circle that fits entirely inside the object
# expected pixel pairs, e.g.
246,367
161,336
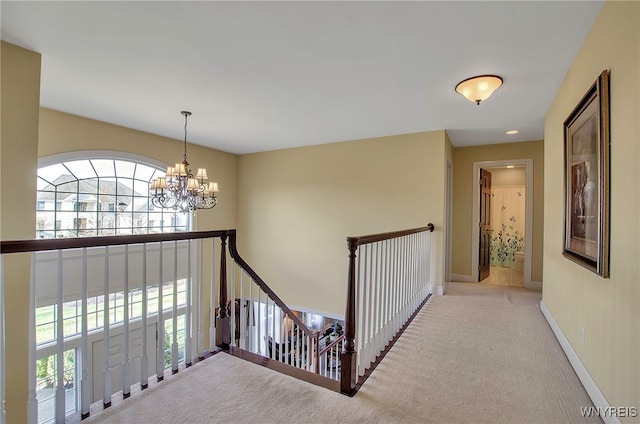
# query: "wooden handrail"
372,238
233,250
331,345
21,246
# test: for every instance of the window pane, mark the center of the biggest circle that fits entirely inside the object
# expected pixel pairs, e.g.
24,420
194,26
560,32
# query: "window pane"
81,169
125,187
125,220
141,188
89,186
144,172
104,167
140,204
70,187
107,232
107,186
45,220
140,223
65,202
125,169
53,173
124,203
155,220
44,185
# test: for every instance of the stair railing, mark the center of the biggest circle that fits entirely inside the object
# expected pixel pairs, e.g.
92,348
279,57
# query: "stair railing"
388,278
264,324
116,276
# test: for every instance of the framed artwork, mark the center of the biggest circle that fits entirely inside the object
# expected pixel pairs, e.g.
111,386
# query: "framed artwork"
586,164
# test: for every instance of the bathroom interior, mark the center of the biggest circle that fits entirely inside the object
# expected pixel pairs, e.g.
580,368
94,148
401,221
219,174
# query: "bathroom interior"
508,194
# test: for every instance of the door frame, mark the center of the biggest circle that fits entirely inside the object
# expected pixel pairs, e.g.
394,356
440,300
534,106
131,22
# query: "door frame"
448,221
475,215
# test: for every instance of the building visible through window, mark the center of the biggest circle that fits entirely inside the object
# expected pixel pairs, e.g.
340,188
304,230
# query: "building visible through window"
100,197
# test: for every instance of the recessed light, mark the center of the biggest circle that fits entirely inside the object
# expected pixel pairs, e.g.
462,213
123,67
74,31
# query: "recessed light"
511,132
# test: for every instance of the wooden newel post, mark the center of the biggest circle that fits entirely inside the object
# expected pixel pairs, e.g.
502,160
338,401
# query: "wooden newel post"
349,371
223,326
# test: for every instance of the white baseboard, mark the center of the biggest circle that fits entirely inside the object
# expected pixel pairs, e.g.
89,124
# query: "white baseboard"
463,278
598,399
534,285
435,289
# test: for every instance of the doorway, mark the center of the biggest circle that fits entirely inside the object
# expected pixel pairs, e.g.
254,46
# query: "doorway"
506,226
506,251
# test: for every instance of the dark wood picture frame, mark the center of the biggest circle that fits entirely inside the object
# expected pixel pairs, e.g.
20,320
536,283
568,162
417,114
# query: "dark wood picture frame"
586,176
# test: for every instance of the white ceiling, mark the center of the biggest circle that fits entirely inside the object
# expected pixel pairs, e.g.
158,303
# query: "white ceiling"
268,75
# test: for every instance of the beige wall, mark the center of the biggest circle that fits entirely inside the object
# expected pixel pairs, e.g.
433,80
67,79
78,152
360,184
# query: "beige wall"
61,133
504,177
19,158
463,180
607,309
297,206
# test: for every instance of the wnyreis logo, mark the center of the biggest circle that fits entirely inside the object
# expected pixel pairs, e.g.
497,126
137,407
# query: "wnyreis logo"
609,411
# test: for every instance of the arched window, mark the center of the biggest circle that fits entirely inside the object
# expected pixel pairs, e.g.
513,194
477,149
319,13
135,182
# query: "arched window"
100,197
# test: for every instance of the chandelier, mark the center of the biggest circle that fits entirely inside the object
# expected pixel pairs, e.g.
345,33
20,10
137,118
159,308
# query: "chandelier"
179,189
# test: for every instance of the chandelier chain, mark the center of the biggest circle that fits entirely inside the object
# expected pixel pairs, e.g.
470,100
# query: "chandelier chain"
186,115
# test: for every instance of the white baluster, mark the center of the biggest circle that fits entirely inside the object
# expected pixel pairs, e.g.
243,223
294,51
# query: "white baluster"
160,324
144,359
232,299
200,344
387,297
409,280
360,275
309,344
174,335
106,370
188,348
273,329
212,293
3,414
243,319
260,321
32,401
85,379
251,318
403,281
298,343
428,256
60,393
365,305
379,274
126,369
371,306
396,281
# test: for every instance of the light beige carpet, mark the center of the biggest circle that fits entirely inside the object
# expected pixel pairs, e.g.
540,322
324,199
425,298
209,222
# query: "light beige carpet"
479,354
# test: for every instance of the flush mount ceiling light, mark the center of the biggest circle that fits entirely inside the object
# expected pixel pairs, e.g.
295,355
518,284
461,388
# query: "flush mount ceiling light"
479,88
512,132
